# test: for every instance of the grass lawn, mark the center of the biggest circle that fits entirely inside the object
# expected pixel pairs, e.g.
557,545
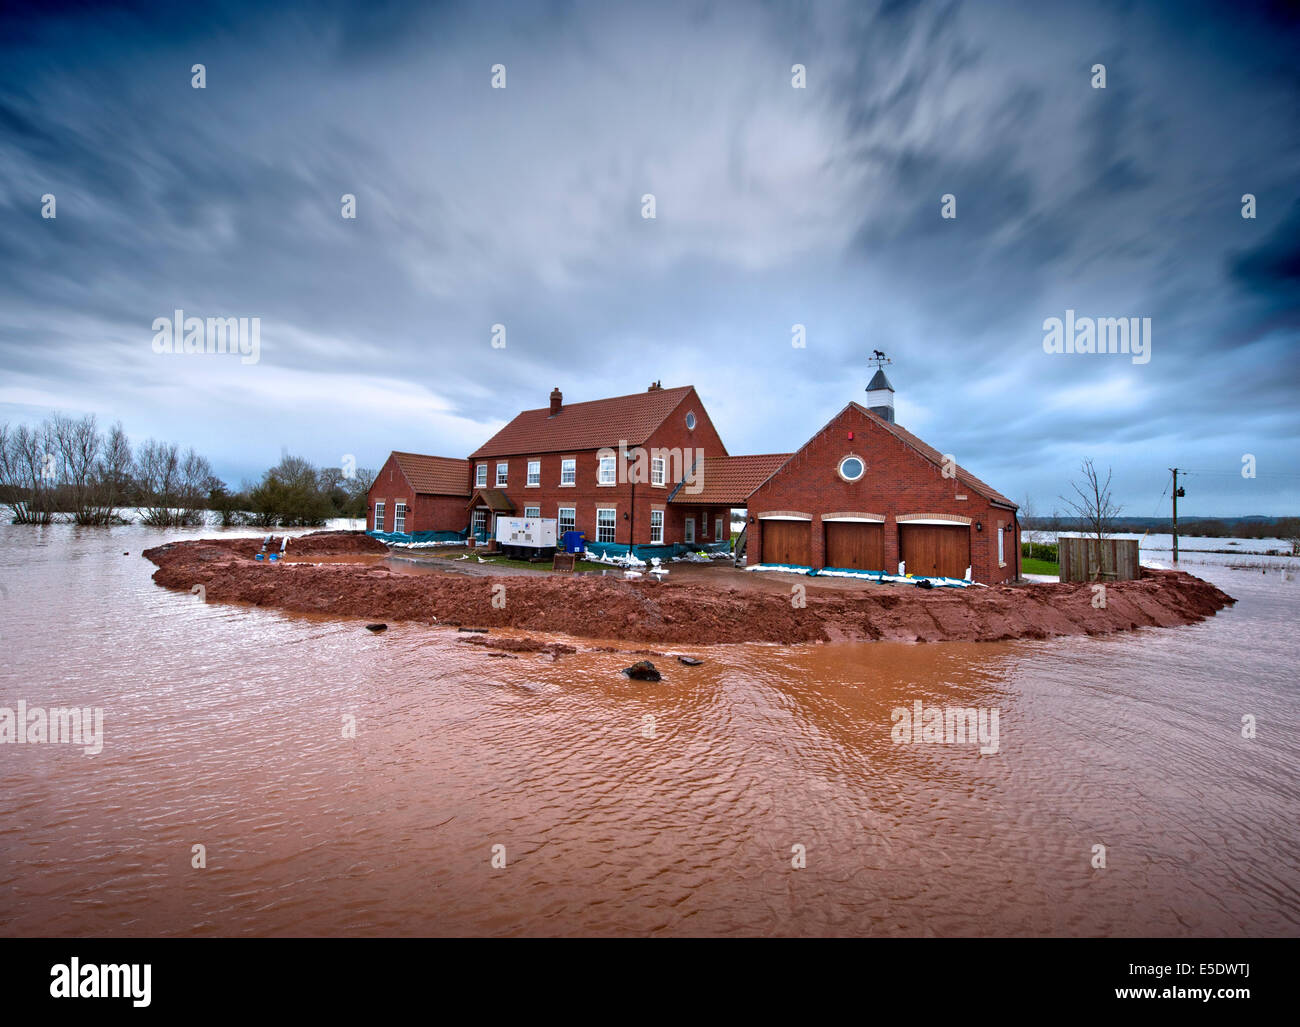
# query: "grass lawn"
1028,566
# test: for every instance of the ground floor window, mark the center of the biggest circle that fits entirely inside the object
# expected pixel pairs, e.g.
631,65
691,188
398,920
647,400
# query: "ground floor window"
532,511
690,529
399,517
604,525
1001,554
568,519
717,528
480,521
379,516
657,526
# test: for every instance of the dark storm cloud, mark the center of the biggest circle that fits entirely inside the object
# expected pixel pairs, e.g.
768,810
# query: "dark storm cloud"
776,206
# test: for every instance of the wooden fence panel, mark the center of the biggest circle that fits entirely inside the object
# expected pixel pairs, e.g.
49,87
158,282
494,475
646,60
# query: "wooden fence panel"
1081,558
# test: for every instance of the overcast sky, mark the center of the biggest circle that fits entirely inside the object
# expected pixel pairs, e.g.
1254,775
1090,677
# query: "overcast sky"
775,206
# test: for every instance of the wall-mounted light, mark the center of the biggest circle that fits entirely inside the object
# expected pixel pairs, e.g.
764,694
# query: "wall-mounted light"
624,515
978,525
751,520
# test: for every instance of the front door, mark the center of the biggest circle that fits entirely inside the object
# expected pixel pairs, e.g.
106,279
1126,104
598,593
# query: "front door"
690,529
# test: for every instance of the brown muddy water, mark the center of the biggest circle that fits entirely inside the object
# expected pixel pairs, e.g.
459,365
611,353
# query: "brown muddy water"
222,728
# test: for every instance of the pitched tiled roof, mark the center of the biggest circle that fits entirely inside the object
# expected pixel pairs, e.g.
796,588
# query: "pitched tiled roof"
730,479
494,499
434,475
591,425
964,477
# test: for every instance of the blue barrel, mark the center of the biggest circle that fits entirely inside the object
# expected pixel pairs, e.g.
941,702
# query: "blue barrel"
573,542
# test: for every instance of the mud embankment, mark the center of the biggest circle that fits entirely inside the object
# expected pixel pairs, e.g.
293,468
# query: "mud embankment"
647,611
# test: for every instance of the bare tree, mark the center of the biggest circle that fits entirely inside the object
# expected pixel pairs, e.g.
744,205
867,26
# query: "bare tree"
1093,506
158,466
113,472
28,472
1028,521
79,445
192,496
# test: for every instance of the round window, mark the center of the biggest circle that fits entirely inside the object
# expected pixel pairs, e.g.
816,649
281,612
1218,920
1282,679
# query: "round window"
851,468
690,421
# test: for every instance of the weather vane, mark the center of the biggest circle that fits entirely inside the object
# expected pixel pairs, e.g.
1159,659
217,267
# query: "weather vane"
879,359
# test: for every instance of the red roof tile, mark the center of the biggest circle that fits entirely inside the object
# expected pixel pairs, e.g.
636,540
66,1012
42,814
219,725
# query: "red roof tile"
731,479
494,499
935,457
591,425
434,475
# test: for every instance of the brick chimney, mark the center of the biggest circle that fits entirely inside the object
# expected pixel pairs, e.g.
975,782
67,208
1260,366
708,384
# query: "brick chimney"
655,387
557,400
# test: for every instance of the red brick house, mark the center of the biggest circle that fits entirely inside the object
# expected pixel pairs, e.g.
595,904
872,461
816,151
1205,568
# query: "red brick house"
607,467
866,493
413,492
863,493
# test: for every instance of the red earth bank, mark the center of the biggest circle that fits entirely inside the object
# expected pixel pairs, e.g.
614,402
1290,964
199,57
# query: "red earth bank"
647,611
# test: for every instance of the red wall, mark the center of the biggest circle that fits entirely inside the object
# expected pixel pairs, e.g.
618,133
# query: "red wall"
585,495
898,480
423,512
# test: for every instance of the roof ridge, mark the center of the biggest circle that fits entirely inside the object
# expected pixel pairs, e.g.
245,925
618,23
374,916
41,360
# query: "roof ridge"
608,399
919,446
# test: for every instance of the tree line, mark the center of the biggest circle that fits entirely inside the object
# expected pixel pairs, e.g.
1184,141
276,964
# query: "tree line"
71,469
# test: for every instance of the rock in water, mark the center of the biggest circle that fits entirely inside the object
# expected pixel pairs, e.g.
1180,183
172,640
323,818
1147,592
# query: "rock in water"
690,661
376,627
643,670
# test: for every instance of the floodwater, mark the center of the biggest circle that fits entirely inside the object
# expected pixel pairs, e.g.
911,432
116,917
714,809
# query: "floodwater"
223,728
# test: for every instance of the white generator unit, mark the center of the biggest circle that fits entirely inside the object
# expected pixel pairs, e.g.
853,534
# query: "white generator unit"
534,534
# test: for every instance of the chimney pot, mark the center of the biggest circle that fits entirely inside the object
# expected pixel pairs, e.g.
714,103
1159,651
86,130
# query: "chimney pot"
557,400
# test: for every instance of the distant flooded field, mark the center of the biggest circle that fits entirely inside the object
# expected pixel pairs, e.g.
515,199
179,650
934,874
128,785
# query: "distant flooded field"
624,807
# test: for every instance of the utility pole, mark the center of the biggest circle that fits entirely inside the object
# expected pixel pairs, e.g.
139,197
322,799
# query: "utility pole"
1176,493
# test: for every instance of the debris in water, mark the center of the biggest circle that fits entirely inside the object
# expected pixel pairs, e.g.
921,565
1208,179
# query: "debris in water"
476,631
690,661
643,670
376,627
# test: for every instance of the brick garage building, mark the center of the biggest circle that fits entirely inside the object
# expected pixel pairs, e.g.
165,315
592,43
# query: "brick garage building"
548,463
413,492
865,493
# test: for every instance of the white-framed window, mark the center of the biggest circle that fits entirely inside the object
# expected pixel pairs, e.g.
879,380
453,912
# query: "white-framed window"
480,522
1001,553
532,511
658,470
534,472
568,519
606,474
690,421
379,515
657,526
569,471
605,521
399,517
480,476
717,529
689,534
503,473
852,468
